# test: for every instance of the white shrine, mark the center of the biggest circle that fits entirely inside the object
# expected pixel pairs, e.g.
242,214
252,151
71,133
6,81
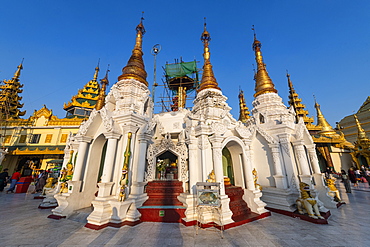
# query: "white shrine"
118,149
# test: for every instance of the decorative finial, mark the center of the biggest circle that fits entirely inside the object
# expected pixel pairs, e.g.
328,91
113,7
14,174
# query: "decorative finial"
135,68
208,78
96,71
264,83
101,97
18,72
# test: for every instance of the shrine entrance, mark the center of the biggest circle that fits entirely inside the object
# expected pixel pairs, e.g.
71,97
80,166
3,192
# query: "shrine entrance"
166,166
227,164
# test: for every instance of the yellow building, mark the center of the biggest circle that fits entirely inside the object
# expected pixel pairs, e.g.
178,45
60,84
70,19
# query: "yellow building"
40,140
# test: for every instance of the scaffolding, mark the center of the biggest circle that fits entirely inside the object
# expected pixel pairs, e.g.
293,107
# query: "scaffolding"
181,79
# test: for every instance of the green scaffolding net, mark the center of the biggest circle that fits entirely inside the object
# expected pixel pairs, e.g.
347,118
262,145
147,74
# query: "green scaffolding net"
181,69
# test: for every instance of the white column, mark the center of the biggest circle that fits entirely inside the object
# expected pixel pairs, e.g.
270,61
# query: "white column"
247,164
217,162
82,152
313,158
193,164
143,143
276,159
302,158
109,156
280,179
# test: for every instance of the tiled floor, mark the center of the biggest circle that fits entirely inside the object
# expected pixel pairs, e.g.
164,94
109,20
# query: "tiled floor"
23,224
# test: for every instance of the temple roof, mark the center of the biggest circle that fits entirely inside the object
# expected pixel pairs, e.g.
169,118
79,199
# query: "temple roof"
87,96
9,97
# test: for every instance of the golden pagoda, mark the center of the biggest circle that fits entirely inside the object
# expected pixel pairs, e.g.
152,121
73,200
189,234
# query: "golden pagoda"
299,108
84,102
243,109
327,138
9,97
361,153
135,68
208,77
264,83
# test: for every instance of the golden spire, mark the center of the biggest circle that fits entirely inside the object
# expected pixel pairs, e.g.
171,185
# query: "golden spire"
135,68
18,72
321,122
361,132
244,113
264,83
101,97
96,71
208,78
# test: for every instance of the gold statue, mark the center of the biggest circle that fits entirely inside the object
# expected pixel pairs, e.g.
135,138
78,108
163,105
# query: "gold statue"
255,177
49,183
63,175
212,177
306,203
124,177
333,190
63,188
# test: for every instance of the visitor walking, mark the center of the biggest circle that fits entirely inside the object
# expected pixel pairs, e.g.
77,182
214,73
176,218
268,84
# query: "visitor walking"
352,176
367,175
15,177
4,176
346,182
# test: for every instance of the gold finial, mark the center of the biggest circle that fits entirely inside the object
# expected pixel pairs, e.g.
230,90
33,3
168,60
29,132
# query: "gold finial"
96,71
18,72
264,83
208,78
135,68
361,132
244,113
101,98
321,121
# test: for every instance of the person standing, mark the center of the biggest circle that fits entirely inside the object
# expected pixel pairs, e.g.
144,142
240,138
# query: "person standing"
4,176
347,185
15,177
352,176
41,181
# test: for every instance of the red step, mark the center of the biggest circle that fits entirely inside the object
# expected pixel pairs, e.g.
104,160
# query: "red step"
237,205
162,204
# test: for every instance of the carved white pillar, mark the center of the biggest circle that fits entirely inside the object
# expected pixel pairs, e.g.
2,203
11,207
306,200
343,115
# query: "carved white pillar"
313,158
203,145
109,156
143,144
193,165
82,152
247,163
279,177
217,161
302,161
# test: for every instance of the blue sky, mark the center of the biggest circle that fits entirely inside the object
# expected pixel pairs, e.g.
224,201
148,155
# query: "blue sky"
325,46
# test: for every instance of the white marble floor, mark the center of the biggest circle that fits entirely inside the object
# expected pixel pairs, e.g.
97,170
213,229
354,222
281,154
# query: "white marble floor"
23,224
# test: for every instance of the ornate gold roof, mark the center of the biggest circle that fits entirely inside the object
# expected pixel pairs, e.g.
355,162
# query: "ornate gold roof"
243,109
135,68
264,83
208,78
299,108
52,120
87,96
9,97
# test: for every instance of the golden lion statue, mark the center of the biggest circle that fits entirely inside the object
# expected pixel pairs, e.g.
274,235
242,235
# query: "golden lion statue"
306,203
330,182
